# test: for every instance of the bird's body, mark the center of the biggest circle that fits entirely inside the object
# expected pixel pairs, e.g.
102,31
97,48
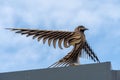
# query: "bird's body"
76,39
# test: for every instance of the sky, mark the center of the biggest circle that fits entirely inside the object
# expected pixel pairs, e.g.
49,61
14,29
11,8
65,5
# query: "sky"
17,52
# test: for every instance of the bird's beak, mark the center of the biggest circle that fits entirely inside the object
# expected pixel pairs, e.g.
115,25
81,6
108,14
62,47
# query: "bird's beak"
86,29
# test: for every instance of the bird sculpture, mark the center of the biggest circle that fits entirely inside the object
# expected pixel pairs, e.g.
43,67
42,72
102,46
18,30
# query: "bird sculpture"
67,38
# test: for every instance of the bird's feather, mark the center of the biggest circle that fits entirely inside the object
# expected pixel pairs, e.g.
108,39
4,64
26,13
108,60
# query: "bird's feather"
60,36
90,53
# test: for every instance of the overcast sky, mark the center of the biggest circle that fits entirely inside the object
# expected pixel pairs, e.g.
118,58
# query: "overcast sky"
20,53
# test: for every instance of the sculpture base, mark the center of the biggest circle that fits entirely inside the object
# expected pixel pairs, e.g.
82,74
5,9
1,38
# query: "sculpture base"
98,71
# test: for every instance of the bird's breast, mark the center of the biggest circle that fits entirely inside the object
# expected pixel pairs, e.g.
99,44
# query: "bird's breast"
77,38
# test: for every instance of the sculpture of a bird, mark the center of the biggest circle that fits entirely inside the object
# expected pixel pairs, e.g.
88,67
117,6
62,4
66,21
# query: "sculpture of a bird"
76,39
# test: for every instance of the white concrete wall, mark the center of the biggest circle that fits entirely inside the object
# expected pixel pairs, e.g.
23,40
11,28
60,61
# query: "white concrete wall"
101,71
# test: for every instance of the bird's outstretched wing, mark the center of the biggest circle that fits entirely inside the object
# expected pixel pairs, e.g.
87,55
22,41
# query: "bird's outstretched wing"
90,53
60,36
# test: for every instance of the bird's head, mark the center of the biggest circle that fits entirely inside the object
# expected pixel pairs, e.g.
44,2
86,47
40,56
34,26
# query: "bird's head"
81,29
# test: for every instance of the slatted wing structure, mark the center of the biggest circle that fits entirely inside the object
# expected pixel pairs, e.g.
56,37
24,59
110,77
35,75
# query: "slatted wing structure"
61,36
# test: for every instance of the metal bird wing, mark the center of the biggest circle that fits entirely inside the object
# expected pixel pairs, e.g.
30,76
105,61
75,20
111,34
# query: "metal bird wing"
51,36
70,58
90,53
73,56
